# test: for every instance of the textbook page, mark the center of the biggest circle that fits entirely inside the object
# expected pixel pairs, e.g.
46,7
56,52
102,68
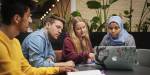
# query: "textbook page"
88,72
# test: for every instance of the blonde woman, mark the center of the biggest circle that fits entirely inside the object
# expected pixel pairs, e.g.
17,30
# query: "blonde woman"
77,45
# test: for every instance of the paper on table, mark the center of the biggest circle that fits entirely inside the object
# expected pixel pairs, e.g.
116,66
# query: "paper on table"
88,72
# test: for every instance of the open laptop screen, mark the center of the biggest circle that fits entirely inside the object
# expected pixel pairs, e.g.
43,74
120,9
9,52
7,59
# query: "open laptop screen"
115,57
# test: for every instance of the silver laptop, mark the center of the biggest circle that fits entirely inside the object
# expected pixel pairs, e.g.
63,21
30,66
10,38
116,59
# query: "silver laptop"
115,57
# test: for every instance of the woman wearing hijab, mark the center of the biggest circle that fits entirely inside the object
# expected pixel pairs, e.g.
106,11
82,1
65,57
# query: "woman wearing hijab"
116,34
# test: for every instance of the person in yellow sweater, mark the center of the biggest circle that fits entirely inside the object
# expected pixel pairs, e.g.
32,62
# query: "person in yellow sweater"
12,61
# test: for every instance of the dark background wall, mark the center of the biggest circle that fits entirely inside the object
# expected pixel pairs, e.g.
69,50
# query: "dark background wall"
142,39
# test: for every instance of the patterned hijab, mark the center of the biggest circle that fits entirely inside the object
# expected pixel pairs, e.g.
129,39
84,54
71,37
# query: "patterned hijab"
120,39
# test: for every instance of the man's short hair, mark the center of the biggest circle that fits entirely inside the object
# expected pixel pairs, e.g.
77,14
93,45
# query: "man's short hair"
9,8
52,19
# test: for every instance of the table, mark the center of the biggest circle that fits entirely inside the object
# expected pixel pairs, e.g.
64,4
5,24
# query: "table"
137,70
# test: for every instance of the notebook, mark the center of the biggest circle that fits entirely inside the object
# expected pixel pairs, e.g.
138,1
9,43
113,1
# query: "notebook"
87,72
116,57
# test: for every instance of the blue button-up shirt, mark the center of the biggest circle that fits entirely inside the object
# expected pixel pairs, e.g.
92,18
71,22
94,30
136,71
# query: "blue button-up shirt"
37,49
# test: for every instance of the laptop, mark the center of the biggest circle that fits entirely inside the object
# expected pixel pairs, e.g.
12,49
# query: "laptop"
115,57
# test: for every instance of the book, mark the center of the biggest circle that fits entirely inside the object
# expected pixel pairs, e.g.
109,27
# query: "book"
87,72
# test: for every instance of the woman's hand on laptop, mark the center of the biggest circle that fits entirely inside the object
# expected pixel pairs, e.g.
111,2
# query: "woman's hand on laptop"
92,56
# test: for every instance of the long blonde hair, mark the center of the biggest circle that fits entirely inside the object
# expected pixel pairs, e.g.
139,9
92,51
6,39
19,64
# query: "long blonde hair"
83,44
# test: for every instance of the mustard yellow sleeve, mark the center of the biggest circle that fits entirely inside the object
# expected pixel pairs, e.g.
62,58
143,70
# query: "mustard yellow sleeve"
7,66
29,70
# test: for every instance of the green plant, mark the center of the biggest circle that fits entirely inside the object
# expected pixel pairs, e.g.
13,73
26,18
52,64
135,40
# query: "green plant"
128,15
76,13
102,8
145,18
146,25
128,23
73,14
62,10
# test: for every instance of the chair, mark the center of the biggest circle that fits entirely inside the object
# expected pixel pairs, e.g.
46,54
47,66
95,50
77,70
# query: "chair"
143,57
58,55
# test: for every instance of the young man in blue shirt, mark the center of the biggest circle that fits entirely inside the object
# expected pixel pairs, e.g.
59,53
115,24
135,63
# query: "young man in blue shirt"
37,46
